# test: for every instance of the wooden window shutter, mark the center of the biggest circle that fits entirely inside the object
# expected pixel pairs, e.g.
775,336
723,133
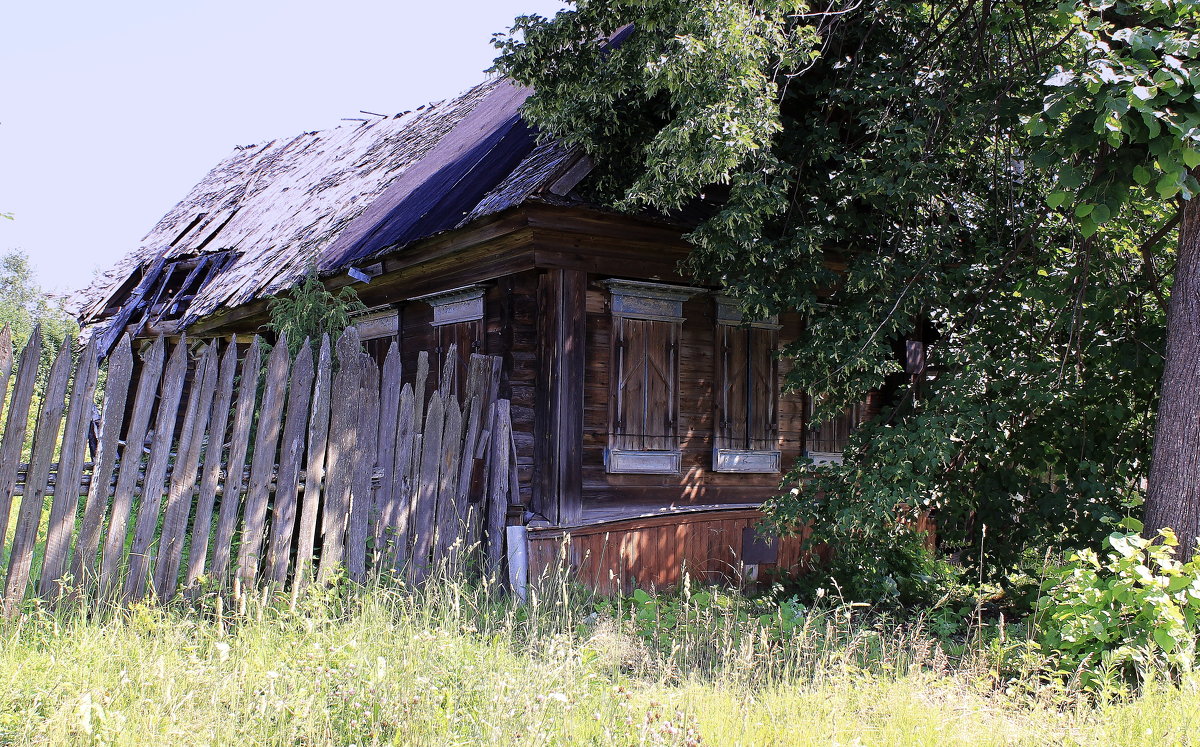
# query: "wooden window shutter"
746,433
825,441
646,391
644,404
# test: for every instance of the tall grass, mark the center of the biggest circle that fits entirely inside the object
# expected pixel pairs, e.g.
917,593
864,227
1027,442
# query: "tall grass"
457,663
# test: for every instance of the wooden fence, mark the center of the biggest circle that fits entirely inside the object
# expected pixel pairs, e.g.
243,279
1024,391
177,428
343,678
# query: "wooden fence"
208,466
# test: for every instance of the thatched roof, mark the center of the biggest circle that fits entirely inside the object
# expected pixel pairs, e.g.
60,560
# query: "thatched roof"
266,213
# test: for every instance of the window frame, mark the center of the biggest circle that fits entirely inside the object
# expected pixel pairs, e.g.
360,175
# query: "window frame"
728,456
644,303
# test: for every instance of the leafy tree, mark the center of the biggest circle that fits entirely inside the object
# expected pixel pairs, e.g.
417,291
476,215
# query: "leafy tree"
869,165
1120,128
23,305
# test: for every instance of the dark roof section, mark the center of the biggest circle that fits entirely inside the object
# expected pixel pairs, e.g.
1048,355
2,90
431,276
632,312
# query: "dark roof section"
446,184
334,197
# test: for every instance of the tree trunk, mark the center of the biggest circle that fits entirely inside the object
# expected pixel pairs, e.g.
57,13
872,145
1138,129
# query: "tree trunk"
1174,496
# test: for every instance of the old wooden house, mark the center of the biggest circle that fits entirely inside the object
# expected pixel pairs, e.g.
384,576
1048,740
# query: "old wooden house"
649,417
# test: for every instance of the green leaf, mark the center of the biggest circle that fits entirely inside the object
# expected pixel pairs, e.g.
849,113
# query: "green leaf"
1145,93
1191,158
1141,175
1054,199
1168,186
1084,210
1132,524
1164,639
1101,214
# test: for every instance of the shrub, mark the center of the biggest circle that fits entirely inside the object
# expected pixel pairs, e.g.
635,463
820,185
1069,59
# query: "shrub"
1110,620
310,311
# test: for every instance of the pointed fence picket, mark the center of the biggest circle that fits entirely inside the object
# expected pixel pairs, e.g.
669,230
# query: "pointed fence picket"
197,462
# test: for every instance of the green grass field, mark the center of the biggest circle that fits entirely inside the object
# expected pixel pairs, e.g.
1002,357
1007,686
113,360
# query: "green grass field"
453,666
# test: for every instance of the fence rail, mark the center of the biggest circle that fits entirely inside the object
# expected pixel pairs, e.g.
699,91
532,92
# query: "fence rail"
207,464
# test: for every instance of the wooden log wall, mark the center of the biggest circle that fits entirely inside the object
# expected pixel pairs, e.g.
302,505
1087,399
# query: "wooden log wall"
208,466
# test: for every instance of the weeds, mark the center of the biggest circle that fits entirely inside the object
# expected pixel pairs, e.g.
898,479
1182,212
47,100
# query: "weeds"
458,663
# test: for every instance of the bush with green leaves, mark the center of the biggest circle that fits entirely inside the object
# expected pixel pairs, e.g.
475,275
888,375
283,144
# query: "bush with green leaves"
1111,620
311,310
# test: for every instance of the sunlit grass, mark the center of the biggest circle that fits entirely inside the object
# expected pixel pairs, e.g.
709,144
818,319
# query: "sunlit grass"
455,664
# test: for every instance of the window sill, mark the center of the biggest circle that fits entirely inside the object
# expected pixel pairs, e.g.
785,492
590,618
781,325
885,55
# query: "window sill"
824,457
645,462
752,461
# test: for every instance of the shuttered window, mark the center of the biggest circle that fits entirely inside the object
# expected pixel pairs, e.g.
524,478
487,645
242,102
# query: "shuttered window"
825,441
644,397
746,433
457,320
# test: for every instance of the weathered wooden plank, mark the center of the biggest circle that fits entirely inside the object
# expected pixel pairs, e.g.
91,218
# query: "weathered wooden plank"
291,453
18,424
116,394
266,442
146,526
6,364
498,487
131,460
70,471
45,439
466,476
449,368
184,474
362,505
426,490
239,442
343,443
396,522
202,523
318,438
389,410
448,529
420,382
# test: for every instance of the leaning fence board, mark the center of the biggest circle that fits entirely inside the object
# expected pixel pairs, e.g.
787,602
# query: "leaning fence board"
318,437
116,394
239,442
70,471
45,438
447,527
420,382
156,473
202,523
427,490
18,423
466,475
362,504
266,441
389,409
131,460
184,474
498,487
343,440
6,364
291,452
396,522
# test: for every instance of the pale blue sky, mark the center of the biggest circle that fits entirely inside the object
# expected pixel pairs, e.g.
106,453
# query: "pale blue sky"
110,112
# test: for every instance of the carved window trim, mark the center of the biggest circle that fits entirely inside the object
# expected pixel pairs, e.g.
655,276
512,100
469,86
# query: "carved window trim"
456,305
